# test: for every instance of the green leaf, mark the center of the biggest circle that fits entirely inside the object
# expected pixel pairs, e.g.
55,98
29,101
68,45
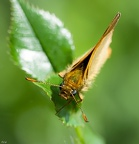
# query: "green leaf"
40,45
38,40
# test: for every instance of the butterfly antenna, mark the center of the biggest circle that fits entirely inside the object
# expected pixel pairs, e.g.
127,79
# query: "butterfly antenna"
34,80
83,114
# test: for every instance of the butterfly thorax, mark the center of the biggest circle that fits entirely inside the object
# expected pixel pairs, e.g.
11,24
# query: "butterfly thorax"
72,83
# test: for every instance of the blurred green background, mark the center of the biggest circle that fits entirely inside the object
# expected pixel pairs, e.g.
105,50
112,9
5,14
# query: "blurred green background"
112,105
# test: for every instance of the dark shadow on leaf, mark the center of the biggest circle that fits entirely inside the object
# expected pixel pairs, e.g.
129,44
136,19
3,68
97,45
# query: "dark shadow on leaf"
68,108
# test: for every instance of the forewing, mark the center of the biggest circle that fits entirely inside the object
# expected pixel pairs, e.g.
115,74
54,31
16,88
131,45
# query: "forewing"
101,51
76,64
95,57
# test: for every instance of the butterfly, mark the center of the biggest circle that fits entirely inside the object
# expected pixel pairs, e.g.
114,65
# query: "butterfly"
80,75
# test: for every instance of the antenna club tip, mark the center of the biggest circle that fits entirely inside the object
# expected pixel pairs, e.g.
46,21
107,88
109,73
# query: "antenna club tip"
85,118
118,15
30,79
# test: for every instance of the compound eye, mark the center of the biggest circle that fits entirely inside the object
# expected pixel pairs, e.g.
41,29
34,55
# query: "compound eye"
74,92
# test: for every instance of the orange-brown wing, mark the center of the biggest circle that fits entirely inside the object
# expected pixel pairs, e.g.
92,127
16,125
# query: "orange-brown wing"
76,64
101,51
95,57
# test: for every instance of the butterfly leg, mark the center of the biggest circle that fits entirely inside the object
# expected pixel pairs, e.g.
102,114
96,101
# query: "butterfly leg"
68,102
77,102
80,98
